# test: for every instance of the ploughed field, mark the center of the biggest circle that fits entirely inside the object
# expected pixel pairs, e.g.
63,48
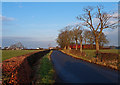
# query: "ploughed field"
7,54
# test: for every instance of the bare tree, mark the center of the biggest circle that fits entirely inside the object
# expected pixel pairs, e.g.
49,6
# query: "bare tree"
103,20
85,36
17,46
65,37
80,39
102,39
90,38
76,34
61,40
88,35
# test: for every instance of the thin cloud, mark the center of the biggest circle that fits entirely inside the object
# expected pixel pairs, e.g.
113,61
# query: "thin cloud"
112,36
115,15
4,18
111,32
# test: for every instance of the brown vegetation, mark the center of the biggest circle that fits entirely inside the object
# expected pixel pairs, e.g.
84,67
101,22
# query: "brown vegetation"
18,70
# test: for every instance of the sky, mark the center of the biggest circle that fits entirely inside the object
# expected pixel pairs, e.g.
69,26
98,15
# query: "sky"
37,24
60,0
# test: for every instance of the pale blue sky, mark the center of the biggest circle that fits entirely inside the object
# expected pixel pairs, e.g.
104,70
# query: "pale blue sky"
60,0
38,24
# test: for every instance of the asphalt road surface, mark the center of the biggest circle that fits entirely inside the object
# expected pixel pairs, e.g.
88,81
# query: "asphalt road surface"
71,70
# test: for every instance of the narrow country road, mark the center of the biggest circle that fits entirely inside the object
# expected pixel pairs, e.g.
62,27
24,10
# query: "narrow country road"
71,70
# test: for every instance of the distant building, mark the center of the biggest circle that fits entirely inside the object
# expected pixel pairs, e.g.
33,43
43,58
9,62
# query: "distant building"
87,46
113,47
106,47
51,48
118,47
39,48
6,48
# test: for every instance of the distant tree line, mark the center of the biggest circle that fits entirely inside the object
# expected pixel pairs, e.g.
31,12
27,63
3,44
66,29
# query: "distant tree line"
93,22
16,46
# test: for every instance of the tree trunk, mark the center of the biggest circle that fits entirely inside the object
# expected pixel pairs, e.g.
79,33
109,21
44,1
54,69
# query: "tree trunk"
92,45
69,47
85,42
65,47
81,46
97,44
76,44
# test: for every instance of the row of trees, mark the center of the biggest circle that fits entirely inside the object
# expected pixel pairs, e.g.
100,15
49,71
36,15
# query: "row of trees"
93,19
76,34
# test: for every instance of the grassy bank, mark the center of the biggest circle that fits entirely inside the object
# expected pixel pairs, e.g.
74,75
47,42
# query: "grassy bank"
91,53
45,72
6,54
108,57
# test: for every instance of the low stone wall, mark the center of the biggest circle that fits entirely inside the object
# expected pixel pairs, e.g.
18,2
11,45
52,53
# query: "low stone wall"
17,70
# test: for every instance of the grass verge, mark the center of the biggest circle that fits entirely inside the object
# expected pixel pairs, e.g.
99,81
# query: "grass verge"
89,57
45,72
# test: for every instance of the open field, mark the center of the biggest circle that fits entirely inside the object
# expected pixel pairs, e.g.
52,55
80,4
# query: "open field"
6,54
91,53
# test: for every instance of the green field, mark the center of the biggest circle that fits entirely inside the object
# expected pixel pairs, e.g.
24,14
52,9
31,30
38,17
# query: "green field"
6,54
91,53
